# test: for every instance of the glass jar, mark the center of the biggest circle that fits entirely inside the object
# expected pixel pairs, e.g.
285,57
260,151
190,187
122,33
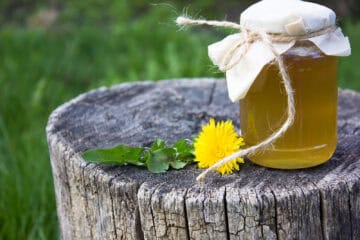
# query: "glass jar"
312,139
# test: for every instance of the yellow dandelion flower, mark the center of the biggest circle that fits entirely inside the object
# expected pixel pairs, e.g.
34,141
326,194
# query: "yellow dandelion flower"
216,141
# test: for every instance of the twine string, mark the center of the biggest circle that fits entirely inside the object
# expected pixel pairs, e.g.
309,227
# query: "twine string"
182,21
228,63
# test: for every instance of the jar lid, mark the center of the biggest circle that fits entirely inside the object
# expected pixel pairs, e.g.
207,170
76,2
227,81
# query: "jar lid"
295,18
292,17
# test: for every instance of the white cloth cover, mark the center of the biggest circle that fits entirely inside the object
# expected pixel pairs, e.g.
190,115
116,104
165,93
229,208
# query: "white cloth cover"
292,17
272,16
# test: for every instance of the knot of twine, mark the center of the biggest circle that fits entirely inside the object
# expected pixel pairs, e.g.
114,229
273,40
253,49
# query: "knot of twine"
228,63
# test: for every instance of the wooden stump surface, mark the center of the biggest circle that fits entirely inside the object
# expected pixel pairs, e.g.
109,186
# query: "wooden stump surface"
125,202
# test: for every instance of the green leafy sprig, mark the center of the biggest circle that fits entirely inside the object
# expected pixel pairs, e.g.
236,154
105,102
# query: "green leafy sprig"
158,158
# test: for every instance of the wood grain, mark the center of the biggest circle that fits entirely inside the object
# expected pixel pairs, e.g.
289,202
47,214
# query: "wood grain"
126,202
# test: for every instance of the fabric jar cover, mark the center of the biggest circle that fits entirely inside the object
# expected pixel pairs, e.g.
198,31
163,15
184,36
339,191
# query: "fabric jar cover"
289,17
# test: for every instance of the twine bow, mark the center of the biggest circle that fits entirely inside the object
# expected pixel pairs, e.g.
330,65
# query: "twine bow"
228,63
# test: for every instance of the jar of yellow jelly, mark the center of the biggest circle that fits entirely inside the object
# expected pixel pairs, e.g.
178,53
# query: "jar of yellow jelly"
312,68
310,56
311,140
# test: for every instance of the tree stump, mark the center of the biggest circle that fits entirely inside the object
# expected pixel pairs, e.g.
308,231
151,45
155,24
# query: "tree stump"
97,201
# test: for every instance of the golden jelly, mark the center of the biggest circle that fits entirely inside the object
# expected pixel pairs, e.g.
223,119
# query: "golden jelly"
312,139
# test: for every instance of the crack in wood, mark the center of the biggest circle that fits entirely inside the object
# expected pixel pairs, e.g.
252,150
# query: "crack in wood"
86,204
226,216
212,91
186,216
112,204
276,215
350,219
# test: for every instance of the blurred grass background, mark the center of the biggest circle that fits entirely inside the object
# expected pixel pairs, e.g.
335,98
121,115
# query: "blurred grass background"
50,51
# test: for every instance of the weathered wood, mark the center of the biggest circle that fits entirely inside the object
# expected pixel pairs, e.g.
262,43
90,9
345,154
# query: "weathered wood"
126,202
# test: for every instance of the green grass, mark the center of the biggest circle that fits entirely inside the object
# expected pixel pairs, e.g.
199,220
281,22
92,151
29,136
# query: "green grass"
349,71
41,69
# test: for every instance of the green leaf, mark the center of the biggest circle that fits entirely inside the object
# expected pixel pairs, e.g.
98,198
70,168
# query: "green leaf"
159,160
184,149
158,144
177,164
118,155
